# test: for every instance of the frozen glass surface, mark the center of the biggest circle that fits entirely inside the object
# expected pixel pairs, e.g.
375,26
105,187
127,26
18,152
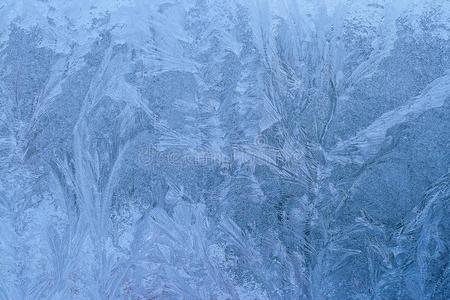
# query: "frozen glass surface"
224,149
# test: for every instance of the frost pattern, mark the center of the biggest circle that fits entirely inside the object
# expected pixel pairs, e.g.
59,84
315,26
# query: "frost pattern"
200,149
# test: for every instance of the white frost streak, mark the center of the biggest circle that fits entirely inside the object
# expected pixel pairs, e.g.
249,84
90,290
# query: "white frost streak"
366,143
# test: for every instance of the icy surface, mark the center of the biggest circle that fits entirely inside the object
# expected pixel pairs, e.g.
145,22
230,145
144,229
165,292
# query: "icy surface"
232,149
